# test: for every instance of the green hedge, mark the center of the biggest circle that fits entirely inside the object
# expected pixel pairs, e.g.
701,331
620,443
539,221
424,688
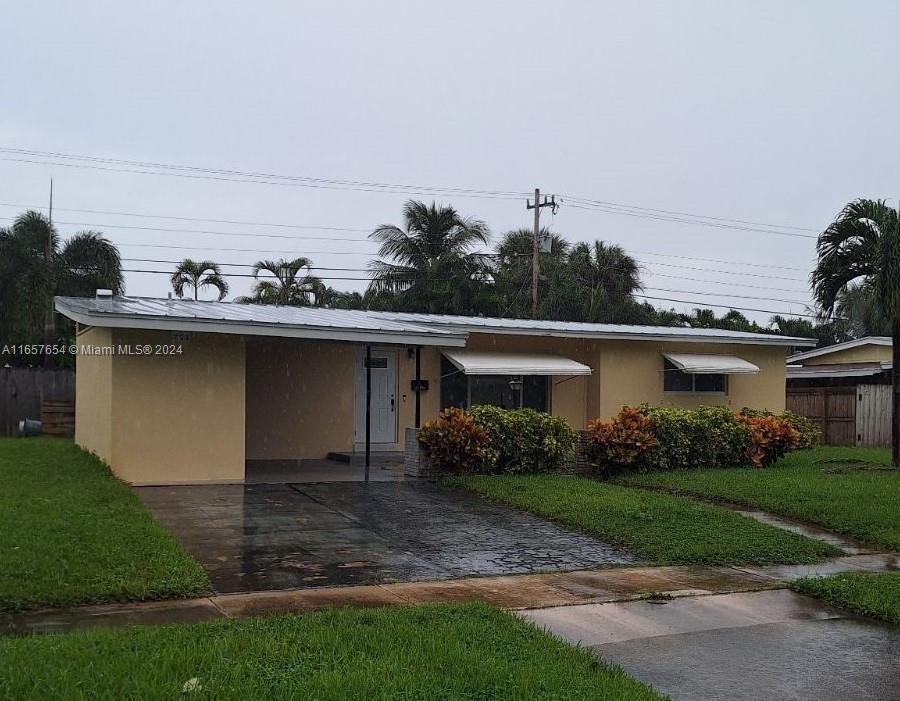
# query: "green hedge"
525,440
658,438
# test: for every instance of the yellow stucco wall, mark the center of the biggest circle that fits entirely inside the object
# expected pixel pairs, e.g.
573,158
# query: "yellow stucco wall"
630,373
164,419
861,354
300,398
93,395
180,418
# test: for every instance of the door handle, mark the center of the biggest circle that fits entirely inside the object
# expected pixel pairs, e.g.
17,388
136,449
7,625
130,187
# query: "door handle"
392,402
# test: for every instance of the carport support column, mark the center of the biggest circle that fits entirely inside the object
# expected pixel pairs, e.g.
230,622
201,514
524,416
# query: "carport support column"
418,388
368,408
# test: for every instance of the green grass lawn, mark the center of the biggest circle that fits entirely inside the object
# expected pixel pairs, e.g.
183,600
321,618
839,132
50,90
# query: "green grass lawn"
656,527
70,533
427,652
875,594
847,490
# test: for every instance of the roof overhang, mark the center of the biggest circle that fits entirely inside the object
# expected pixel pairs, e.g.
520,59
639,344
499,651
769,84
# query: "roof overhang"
109,314
493,363
809,372
710,364
838,347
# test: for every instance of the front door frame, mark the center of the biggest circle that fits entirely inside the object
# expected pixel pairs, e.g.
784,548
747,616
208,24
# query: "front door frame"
359,384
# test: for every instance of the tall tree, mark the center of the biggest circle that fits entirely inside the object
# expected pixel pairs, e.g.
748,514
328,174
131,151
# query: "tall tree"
288,283
858,312
512,276
862,245
431,265
607,279
197,274
35,265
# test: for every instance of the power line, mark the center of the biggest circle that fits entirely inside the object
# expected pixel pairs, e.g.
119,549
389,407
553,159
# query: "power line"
233,175
685,214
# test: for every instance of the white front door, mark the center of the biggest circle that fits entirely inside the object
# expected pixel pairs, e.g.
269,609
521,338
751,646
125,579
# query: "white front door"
384,398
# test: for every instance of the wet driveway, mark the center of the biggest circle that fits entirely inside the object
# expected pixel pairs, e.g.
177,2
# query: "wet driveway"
283,536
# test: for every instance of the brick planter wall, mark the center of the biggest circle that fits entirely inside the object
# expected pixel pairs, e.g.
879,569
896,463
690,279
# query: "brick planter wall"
415,462
582,464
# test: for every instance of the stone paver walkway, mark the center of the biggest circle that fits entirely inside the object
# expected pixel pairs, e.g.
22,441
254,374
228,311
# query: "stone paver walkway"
283,536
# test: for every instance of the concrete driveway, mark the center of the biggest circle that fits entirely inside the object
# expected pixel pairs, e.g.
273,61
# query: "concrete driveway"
774,645
284,536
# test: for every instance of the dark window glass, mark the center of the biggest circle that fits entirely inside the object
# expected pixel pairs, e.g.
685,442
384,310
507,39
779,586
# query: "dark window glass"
498,390
674,380
534,392
709,383
453,385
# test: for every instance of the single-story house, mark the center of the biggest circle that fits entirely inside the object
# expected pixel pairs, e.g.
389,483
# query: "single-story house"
175,391
845,389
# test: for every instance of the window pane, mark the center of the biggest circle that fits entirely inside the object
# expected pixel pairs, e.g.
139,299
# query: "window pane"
674,380
534,392
709,383
453,385
494,389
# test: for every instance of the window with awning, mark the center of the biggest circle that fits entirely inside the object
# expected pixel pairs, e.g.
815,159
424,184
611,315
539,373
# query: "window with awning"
508,380
702,372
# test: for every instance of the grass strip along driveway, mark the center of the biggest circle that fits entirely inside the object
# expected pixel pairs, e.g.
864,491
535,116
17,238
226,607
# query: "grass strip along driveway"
428,652
874,594
847,490
73,534
657,527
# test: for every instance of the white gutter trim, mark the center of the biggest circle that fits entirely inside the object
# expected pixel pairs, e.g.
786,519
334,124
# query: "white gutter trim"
838,347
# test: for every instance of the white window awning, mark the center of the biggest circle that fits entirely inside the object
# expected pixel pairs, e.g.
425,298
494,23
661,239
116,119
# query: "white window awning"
710,364
491,363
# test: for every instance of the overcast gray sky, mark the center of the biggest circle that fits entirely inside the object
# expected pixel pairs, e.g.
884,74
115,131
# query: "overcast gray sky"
772,112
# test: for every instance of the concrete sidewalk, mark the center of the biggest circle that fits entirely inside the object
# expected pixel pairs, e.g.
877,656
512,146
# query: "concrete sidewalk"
513,592
510,592
774,645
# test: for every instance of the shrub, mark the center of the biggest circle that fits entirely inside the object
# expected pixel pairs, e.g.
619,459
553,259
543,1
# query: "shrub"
455,443
659,438
769,438
810,435
623,441
704,437
525,440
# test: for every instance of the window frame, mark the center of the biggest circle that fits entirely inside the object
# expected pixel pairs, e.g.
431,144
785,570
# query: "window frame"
669,366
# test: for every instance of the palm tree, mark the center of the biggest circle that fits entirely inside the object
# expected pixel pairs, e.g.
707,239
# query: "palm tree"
607,278
194,274
557,299
859,314
431,264
289,287
862,245
35,265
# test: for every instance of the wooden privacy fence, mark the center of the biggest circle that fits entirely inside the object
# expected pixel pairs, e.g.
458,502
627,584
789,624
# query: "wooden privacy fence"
22,390
858,415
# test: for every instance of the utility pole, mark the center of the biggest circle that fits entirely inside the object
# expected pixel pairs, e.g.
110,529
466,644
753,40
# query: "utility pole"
48,257
536,244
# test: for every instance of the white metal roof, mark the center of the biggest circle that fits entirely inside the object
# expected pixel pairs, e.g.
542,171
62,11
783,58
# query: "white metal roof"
799,372
251,320
838,347
492,363
709,364
574,329
353,325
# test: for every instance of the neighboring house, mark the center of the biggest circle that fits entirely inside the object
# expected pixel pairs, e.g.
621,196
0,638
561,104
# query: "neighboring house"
846,389
194,390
